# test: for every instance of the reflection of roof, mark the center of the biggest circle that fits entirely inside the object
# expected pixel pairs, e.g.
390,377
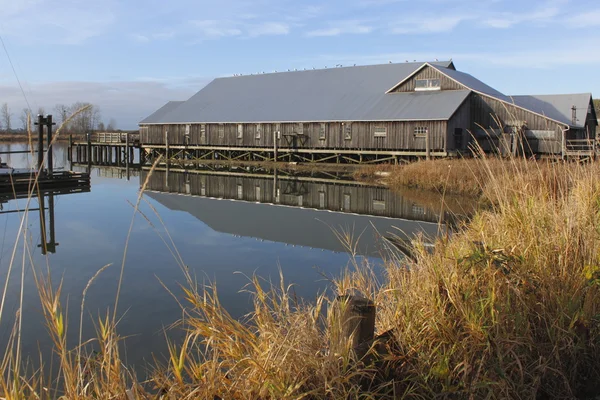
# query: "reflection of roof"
558,106
161,112
292,225
335,94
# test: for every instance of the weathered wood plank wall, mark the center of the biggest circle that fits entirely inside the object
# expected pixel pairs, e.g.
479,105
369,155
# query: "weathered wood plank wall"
328,135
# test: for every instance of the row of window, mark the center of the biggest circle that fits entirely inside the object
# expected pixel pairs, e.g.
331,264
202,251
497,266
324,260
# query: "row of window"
378,131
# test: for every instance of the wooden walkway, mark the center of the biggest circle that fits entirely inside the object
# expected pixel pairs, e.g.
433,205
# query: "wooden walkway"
21,181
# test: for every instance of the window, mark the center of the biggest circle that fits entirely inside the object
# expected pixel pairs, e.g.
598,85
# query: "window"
278,130
420,131
321,199
380,131
347,131
257,192
322,131
346,202
240,191
300,200
187,130
300,128
221,131
258,131
203,131
427,84
240,131
378,205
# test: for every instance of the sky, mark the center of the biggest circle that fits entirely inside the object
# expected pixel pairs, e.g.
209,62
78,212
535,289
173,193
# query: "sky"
131,57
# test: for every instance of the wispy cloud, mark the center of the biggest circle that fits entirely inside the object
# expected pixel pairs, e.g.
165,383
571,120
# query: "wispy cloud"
423,25
586,19
268,28
211,29
506,20
342,27
51,22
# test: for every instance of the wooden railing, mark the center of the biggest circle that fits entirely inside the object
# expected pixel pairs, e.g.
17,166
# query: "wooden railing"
115,137
580,145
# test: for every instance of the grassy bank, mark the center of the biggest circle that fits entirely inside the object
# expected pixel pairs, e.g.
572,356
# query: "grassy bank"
467,176
508,307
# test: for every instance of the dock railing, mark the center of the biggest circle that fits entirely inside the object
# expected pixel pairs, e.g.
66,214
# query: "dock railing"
115,137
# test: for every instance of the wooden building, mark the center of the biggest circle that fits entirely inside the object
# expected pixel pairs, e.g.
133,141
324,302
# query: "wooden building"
364,113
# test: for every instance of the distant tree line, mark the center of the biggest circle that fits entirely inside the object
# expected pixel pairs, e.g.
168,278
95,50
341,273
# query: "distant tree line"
87,120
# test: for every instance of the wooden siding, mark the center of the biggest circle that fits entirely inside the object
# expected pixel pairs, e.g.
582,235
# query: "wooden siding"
461,120
338,135
339,197
430,73
490,115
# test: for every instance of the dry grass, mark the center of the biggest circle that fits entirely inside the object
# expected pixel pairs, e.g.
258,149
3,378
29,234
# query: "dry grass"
465,176
508,307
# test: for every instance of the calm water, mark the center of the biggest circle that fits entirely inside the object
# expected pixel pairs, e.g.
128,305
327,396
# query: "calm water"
226,228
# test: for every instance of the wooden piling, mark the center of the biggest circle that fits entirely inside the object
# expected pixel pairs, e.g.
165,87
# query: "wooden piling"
354,323
40,155
427,145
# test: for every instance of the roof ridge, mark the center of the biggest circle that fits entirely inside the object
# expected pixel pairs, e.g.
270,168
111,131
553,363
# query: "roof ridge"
337,67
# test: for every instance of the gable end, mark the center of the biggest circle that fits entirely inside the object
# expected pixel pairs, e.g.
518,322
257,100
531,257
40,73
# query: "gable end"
427,72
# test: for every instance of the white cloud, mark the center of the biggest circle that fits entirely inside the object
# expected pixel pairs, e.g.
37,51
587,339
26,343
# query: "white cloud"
53,22
268,28
140,38
342,27
428,24
509,19
586,19
212,29
215,29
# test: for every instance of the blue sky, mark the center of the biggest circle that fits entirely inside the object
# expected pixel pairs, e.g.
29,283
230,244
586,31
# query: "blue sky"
130,57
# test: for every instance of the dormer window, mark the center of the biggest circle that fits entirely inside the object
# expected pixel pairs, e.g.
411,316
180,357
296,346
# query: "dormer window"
427,84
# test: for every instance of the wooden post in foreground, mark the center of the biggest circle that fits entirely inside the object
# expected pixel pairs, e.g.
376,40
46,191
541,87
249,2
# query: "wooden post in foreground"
354,322
275,146
427,145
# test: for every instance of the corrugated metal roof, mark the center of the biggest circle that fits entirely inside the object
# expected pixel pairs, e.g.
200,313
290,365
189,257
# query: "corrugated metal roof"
558,106
159,114
335,94
472,83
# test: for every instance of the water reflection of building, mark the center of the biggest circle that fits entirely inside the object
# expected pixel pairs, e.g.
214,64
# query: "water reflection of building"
292,210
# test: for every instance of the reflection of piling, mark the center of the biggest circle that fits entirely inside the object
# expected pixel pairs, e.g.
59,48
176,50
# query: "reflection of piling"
42,221
127,154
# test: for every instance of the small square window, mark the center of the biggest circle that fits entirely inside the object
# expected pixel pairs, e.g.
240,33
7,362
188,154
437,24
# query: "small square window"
380,131
420,131
258,131
347,132
257,192
321,199
346,202
322,131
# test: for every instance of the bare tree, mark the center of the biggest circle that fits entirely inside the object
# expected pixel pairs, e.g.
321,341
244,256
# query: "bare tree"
112,125
6,116
41,111
101,127
62,113
25,120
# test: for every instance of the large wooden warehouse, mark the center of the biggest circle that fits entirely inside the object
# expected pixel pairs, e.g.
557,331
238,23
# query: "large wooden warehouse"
366,113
